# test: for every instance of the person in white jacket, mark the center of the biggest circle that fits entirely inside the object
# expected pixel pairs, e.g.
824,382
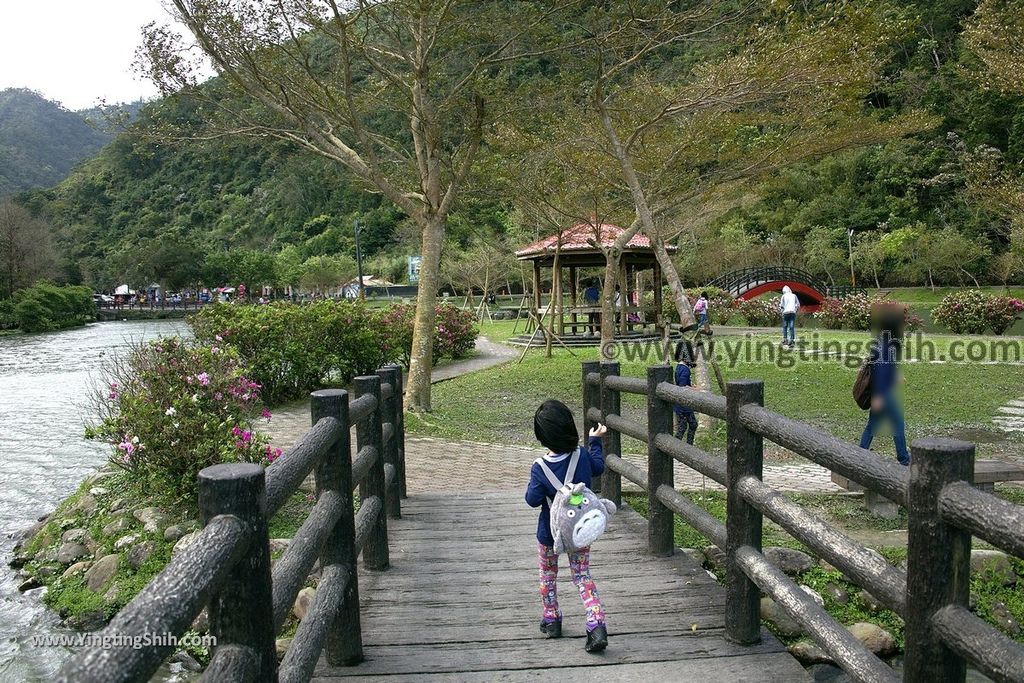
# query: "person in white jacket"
789,305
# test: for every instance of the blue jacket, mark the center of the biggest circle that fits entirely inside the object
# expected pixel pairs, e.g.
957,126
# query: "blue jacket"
682,380
883,356
540,489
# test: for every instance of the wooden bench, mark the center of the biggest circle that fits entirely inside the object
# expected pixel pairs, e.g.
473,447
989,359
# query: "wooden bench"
986,474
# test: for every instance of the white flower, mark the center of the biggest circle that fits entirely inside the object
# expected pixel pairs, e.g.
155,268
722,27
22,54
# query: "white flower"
135,439
177,424
170,411
195,398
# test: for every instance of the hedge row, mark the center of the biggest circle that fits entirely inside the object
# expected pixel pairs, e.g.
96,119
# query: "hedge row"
44,307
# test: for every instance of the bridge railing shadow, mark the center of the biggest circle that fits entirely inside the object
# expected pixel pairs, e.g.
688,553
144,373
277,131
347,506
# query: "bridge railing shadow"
227,568
944,510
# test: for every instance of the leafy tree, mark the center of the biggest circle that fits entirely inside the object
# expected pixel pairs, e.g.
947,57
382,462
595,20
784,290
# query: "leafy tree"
398,92
823,253
26,249
321,273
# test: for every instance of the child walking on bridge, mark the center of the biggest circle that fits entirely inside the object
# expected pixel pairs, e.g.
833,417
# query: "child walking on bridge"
555,428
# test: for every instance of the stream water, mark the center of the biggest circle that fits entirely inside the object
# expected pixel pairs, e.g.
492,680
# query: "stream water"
45,381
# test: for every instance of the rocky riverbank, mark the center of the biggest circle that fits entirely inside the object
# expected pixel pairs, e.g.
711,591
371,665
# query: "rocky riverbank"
104,543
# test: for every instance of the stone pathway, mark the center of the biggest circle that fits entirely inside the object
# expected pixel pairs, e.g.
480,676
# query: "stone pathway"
1011,416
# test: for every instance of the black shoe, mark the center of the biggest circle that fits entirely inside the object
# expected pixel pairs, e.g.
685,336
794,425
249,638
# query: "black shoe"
552,629
597,639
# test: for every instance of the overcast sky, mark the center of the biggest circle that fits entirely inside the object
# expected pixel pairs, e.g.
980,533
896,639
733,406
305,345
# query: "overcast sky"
76,51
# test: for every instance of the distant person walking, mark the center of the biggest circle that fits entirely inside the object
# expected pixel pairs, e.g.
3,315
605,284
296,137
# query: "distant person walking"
686,421
789,305
591,299
885,377
701,309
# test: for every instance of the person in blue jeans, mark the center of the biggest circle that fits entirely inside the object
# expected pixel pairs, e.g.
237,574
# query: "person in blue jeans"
686,421
789,305
885,404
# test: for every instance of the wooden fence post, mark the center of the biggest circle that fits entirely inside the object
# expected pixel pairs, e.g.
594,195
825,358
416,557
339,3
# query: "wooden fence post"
334,473
393,492
242,612
400,427
591,399
611,482
660,465
744,457
938,558
368,433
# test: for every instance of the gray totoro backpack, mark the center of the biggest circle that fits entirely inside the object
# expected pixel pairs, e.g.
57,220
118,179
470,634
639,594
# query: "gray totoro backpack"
578,515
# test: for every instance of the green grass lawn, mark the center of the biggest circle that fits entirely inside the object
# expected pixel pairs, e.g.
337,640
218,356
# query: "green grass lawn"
948,399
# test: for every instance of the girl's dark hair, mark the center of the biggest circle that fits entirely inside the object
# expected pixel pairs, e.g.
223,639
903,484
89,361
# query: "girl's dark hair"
555,427
704,294
684,352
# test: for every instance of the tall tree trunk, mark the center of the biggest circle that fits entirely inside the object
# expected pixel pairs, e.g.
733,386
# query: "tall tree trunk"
611,277
675,283
422,360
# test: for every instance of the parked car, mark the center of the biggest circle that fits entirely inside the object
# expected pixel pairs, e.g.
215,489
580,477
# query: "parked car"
102,299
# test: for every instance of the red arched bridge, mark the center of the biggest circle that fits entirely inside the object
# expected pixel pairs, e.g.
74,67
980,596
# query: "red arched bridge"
750,283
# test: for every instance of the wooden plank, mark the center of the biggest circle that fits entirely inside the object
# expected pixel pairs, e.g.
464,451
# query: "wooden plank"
460,602
990,471
760,668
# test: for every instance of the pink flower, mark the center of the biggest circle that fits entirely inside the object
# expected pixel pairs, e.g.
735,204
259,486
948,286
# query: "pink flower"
204,378
247,436
236,431
218,338
265,414
214,350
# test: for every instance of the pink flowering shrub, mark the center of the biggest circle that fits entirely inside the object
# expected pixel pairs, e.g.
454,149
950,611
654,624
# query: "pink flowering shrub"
1002,311
171,408
854,313
964,312
761,312
455,331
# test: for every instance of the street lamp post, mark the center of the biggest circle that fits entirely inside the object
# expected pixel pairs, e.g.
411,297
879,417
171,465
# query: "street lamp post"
849,239
359,260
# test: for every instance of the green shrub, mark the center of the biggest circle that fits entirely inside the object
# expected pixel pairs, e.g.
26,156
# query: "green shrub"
171,408
8,318
455,331
290,349
44,306
963,312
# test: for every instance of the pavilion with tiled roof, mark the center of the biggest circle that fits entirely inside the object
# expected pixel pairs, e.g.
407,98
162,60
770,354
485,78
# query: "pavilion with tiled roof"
582,246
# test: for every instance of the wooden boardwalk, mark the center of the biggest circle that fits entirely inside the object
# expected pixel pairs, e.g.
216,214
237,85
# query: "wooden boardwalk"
460,603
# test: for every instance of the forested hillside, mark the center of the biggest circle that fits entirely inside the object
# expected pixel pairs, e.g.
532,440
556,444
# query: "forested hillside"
182,211
40,142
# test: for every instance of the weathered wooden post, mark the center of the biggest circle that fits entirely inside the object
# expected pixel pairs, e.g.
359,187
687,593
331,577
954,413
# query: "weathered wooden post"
393,492
334,473
591,399
660,465
611,482
242,612
400,427
938,558
744,457
368,433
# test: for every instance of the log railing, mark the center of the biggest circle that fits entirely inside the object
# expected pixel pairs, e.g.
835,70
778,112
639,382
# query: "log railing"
227,568
944,510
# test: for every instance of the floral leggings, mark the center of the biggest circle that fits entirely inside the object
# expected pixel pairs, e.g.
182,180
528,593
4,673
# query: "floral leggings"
579,564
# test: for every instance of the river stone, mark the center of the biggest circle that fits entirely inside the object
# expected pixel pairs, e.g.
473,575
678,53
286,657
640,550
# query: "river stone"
815,595
112,594
784,624
303,601
837,593
98,491
869,601
184,661
138,555
1002,616
828,673
90,621
115,527
102,572
174,532
790,561
75,536
70,553
153,519
76,569
807,653
995,564
125,541
46,571
118,505
86,504
282,645
184,542
67,523
715,557
29,583
874,638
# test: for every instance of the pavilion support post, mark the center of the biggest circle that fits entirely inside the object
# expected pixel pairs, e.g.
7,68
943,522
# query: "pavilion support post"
623,298
572,290
556,287
536,290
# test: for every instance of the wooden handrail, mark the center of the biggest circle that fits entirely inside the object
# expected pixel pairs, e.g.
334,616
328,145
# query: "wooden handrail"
944,511
227,567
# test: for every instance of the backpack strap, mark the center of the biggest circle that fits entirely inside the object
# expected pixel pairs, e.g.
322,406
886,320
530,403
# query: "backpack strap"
552,479
569,473
573,462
